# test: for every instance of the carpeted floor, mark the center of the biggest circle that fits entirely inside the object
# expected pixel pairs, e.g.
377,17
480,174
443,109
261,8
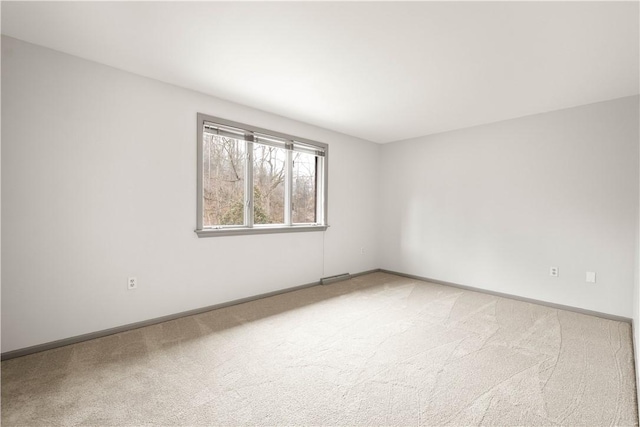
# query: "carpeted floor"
375,350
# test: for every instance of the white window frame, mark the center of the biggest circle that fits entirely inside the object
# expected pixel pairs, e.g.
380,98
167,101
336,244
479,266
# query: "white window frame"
253,134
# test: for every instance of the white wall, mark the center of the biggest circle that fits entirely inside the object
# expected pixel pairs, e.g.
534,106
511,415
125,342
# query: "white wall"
98,184
636,295
0,182
495,206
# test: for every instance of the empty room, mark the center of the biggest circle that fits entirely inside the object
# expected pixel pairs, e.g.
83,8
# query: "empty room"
320,213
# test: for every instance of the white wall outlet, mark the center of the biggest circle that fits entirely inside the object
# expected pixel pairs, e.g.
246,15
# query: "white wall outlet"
554,271
132,283
591,277
362,250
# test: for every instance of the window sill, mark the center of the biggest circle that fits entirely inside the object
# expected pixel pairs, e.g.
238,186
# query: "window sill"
230,231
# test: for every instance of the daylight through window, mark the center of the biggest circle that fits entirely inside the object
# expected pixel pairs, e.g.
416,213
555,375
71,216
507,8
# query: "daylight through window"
252,180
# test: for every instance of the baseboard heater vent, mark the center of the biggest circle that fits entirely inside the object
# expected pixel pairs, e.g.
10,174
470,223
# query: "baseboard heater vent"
334,279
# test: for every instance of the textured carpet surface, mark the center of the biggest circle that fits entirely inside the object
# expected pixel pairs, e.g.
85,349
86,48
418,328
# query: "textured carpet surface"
375,350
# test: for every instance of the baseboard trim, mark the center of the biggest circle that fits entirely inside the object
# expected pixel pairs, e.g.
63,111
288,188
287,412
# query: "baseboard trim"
635,362
375,270
345,276
515,297
136,325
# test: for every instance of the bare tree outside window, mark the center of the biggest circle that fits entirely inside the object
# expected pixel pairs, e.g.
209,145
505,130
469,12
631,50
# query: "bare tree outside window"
223,180
303,200
269,168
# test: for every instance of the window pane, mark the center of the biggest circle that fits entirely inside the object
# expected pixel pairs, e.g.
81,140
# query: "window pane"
304,188
223,180
269,169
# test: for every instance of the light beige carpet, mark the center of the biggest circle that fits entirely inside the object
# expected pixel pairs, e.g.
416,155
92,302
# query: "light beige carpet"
376,350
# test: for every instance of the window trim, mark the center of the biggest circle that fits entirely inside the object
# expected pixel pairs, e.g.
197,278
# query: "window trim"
249,228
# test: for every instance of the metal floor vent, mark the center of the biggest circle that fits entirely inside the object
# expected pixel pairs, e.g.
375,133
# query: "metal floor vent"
336,278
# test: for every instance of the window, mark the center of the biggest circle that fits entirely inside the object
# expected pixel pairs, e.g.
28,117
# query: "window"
252,180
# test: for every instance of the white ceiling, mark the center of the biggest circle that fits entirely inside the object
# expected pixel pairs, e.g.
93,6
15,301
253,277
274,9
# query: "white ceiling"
381,71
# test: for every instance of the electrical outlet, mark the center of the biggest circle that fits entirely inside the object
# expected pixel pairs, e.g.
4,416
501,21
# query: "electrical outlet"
362,251
554,272
132,283
591,277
